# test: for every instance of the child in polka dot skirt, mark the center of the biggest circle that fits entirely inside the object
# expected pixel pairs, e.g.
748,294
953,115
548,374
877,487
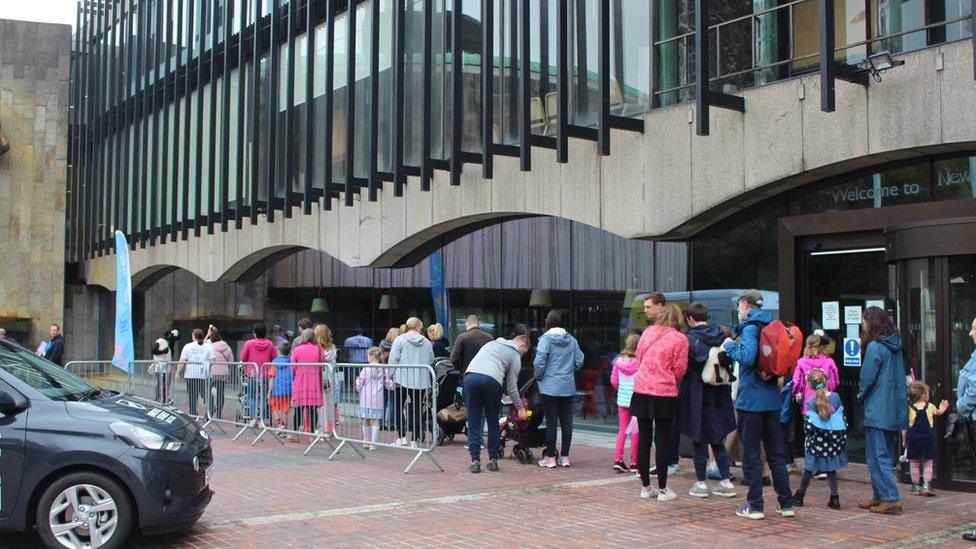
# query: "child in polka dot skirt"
826,437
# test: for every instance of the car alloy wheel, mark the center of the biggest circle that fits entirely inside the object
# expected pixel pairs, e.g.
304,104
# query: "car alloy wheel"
83,516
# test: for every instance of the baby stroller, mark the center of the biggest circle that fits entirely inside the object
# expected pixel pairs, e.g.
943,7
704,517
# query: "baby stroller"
525,433
452,417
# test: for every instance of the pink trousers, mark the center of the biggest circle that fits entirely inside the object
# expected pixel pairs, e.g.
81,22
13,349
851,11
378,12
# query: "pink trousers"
623,417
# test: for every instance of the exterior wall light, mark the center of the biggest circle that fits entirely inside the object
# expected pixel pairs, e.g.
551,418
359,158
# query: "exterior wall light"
879,62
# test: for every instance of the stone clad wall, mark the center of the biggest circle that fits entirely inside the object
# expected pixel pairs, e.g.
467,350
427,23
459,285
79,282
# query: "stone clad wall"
34,76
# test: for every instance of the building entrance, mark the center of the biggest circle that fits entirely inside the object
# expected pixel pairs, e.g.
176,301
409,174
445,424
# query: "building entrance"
841,281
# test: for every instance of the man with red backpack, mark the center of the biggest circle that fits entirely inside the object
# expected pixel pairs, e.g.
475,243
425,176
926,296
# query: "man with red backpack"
757,406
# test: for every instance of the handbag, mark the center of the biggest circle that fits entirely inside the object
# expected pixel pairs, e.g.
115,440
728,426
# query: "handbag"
959,433
713,373
453,414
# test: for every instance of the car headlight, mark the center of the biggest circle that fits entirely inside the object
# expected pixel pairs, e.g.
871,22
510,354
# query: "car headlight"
143,438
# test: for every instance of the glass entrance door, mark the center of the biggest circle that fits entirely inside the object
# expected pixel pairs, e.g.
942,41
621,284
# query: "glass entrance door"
937,304
961,281
840,284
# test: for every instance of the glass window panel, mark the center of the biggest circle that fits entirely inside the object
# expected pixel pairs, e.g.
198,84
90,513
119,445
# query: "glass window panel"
505,109
339,99
413,83
903,185
471,32
233,139
207,135
630,57
584,94
895,16
440,145
321,37
301,113
955,178
363,51
386,54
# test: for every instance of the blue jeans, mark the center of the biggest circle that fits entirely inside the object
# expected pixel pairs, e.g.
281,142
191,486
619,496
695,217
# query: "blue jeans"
879,451
763,428
700,458
483,399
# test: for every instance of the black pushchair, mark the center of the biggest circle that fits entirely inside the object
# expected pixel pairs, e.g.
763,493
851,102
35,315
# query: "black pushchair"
525,433
450,404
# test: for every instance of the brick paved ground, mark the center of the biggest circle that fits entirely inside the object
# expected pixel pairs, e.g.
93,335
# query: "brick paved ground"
272,496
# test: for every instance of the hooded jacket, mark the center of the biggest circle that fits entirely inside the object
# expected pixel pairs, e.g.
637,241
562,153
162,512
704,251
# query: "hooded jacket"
370,383
260,351
622,378
705,412
803,367
882,388
662,355
411,348
501,361
556,360
754,394
222,355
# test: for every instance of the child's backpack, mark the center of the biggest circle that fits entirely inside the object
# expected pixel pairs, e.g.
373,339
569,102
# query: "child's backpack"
714,372
780,345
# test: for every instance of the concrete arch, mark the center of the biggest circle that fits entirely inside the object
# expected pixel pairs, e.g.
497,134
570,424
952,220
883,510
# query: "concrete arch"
667,183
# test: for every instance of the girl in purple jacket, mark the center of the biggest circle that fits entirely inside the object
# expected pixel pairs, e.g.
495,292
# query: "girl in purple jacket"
370,384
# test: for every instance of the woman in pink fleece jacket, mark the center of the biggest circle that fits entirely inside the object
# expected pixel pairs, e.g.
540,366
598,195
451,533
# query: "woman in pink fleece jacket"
662,357
813,358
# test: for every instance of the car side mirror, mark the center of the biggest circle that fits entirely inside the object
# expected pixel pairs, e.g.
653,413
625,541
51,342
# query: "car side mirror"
9,404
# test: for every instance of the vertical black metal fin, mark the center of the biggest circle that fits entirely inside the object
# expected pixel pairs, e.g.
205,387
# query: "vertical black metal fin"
310,14
374,99
426,130
350,103
603,69
487,88
398,96
525,79
457,112
562,81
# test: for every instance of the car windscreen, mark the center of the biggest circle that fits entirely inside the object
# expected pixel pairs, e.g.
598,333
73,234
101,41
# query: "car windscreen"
49,379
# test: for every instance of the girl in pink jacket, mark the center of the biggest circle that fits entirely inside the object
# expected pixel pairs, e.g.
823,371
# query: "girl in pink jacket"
813,358
622,379
662,358
370,384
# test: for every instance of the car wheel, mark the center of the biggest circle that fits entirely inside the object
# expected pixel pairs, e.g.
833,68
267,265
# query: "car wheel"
84,510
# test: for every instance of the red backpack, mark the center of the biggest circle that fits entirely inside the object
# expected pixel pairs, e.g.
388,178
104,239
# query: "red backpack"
780,345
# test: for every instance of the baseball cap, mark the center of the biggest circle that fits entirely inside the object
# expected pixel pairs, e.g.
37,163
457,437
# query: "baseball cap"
751,296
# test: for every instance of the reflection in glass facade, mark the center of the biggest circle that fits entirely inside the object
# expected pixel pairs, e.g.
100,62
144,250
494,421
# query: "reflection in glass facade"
153,74
759,42
717,255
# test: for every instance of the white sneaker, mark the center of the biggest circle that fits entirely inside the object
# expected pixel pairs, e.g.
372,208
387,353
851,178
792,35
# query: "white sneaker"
547,462
724,489
673,469
399,442
699,490
666,495
648,492
413,443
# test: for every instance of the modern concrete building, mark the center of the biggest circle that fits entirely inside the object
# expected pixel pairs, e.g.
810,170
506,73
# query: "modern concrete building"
262,154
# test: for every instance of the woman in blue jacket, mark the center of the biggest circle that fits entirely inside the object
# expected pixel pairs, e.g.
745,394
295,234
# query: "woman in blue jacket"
883,392
556,361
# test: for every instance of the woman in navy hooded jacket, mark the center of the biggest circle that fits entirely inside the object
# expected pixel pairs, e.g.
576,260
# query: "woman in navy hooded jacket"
882,391
556,361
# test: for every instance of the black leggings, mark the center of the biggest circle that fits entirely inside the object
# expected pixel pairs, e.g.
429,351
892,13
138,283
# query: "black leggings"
196,388
808,475
299,418
416,419
559,412
661,428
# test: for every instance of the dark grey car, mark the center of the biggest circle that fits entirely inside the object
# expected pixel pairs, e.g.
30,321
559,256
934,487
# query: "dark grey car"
88,467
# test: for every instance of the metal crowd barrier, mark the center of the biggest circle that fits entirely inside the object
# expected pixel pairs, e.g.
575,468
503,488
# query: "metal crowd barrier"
363,392
298,401
100,373
363,406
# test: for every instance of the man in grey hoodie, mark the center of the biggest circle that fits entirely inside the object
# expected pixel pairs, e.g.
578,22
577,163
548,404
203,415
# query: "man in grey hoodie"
497,363
412,347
